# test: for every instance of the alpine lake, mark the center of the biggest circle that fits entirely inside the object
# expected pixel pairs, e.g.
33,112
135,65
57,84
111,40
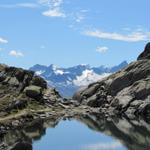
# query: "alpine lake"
86,132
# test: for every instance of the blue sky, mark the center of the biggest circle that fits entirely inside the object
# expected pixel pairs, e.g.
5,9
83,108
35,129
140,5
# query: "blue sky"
71,32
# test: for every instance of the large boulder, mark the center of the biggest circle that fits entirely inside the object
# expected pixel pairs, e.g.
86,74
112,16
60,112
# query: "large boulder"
33,91
13,81
38,81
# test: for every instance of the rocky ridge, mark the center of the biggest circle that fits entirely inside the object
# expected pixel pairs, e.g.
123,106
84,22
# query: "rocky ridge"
126,92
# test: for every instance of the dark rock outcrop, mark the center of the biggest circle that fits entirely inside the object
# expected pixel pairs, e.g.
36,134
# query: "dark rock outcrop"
126,92
146,53
22,146
20,88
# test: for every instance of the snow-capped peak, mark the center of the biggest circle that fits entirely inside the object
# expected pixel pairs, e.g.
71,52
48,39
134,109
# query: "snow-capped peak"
57,71
68,80
87,77
39,72
54,67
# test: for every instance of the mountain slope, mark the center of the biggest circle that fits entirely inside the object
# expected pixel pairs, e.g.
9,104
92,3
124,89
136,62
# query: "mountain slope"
68,80
125,92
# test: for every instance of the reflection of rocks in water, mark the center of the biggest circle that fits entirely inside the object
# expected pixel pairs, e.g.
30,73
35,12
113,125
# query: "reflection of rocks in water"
22,139
134,134
17,146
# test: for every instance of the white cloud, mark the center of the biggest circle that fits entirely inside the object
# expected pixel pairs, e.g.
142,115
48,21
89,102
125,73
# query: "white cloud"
54,8
51,3
2,40
18,5
16,53
130,37
53,13
102,49
104,146
79,15
79,18
57,3
28,5
46,3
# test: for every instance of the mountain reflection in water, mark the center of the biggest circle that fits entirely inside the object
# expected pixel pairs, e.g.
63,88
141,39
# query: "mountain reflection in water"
73,134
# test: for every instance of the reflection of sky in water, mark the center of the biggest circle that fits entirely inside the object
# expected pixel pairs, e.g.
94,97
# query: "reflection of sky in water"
72,135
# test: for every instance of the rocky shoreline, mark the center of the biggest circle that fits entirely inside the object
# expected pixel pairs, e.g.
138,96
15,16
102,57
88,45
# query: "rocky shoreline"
25,99
134,134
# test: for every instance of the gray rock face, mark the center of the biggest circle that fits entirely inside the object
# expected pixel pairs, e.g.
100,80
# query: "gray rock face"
127,91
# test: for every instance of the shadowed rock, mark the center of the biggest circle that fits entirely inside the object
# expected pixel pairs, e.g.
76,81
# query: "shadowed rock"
146,53
22,146
33,91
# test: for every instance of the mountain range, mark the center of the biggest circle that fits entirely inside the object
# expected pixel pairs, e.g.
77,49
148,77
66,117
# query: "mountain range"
69,80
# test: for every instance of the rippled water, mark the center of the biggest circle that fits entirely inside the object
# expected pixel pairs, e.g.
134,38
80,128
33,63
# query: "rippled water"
74,135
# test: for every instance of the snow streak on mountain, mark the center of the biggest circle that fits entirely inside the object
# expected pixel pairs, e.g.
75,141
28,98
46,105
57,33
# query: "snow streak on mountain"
68,80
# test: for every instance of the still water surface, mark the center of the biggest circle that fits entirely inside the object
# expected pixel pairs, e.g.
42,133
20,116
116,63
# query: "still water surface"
74,135
84,132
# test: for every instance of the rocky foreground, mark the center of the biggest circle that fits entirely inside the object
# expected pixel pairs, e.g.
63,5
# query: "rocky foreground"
22,96
126,93
21,89
26,100
133,134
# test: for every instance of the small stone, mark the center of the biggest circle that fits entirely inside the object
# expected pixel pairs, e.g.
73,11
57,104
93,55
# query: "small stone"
15,123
